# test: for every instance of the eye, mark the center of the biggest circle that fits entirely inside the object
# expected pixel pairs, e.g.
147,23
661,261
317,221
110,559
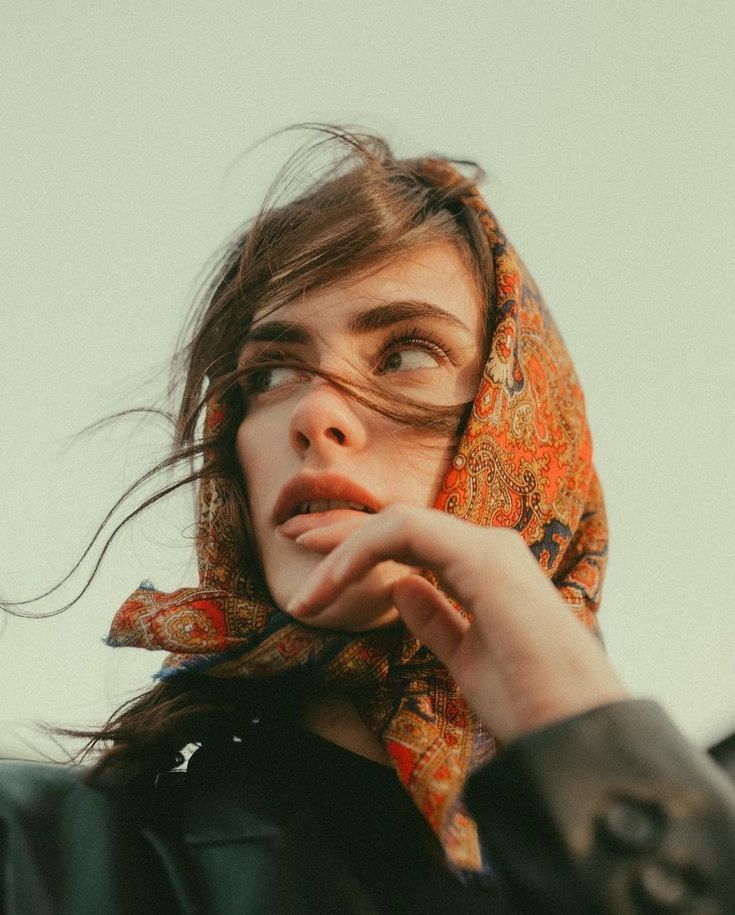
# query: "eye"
407,358
268,379
409,353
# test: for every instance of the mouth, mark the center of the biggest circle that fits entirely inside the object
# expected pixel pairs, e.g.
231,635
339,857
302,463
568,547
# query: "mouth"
326,505
318,494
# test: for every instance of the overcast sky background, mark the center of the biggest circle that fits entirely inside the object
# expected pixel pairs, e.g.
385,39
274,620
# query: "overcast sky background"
607,131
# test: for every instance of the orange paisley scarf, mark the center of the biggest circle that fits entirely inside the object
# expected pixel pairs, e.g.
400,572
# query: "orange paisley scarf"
524,461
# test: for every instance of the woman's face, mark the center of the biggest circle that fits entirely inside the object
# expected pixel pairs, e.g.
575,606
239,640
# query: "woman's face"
313,456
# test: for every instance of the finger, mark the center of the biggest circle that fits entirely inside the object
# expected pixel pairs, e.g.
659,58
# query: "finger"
326,537
430,616
415,537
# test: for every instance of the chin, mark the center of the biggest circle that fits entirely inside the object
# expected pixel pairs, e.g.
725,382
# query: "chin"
361,607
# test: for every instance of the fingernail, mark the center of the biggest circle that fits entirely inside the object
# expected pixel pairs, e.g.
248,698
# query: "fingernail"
299,603
294,606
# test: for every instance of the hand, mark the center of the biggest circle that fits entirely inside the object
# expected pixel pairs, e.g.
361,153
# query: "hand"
523,660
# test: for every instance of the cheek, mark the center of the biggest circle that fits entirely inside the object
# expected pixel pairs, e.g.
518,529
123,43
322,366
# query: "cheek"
242,449
250,459
264,464
421,471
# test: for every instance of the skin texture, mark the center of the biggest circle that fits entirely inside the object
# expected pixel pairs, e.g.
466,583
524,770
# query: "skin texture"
300,424
523,662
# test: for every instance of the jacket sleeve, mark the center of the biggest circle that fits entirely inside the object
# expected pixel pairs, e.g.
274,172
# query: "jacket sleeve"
613,813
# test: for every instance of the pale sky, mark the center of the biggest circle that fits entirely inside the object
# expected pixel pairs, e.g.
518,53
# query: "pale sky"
606,130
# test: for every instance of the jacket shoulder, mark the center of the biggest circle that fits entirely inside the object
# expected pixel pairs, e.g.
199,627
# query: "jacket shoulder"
66,846
24,783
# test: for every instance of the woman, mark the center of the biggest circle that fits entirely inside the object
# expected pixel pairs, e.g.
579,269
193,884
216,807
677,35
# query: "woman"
392,421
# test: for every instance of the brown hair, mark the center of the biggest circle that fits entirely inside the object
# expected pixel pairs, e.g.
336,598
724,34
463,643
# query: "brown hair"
365,208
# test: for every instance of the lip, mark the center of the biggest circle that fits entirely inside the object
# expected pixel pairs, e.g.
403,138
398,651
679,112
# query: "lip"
309,487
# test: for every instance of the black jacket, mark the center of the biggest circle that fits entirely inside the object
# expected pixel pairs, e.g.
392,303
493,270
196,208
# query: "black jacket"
610,812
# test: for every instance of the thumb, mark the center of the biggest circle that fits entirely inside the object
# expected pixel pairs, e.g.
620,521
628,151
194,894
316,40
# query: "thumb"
429,616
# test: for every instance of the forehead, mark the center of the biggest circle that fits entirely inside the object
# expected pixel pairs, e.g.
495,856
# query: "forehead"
431,275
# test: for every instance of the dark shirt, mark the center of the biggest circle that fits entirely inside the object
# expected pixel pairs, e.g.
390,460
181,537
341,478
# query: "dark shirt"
367,817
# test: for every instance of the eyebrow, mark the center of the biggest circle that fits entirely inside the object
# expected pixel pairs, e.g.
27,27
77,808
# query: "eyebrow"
363,322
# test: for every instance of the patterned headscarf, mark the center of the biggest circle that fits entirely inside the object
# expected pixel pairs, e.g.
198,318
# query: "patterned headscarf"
524,461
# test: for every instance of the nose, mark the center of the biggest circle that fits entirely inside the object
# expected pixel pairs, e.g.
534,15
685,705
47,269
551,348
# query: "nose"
326,420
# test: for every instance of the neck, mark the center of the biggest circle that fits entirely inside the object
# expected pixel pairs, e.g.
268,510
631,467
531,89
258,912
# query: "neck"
336,719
